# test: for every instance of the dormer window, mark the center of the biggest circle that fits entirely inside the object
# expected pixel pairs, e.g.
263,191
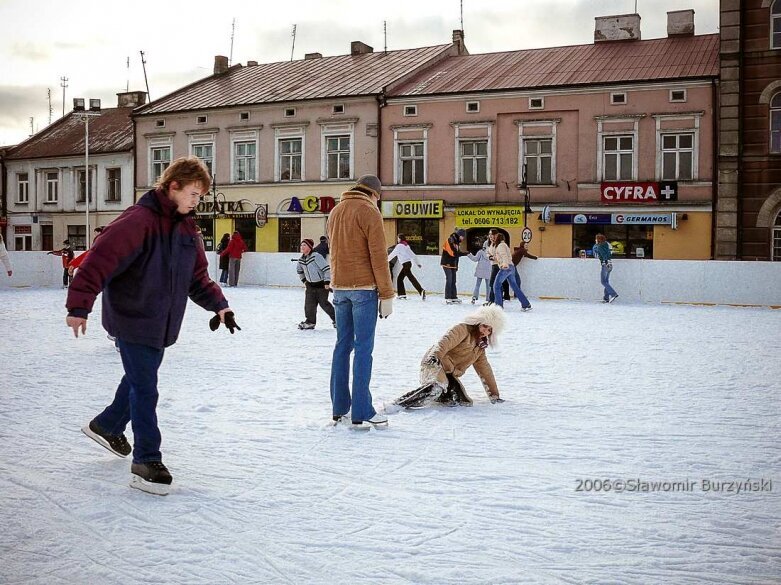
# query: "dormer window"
244,116
290,112
159,123
201,119
472,107
677,95
536,103
337,109
617,99
410,110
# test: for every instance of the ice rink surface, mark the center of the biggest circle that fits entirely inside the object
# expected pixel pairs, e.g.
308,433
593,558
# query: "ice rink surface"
672,400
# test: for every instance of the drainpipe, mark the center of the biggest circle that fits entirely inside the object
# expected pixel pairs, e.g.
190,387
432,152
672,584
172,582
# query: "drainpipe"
381,103
134,158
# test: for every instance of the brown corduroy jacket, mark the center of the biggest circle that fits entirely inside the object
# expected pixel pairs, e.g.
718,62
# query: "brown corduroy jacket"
359,259
457,350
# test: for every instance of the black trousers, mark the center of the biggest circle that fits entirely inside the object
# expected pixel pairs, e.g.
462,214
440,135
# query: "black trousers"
406,272
427,394
451,290
505,285
317,296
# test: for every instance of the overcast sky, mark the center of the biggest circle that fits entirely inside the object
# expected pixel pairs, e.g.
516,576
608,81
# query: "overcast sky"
90,42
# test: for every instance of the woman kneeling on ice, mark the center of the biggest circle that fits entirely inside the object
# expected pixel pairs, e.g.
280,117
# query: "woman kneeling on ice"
446,361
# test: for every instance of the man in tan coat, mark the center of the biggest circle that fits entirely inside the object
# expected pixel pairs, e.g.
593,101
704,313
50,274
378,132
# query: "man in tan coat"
363,290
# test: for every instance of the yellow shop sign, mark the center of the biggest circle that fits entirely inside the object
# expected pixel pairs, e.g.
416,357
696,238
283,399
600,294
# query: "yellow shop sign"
413,209
492,216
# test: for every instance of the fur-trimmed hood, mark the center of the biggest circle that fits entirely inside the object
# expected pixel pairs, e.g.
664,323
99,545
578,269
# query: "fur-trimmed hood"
492,316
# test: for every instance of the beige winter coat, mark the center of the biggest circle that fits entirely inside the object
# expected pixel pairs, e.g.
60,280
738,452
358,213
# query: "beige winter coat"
503,255
457,350
359,257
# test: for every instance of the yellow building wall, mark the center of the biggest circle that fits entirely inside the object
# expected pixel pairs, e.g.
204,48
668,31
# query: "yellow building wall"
223,226
267,237
691,241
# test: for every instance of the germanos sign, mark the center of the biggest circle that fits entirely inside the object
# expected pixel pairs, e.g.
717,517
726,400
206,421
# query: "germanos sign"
413,209
622,193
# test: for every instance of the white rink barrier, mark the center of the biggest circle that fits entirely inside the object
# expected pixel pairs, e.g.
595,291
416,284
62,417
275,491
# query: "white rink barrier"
645,281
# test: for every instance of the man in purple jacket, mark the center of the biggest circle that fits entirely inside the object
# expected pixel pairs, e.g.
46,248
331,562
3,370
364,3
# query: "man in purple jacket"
147,263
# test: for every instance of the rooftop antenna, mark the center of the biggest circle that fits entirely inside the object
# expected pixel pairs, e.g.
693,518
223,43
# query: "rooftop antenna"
233,32
294,42
127,85
462,15
635,6
49,95
385,34
31,126
146,81
63,84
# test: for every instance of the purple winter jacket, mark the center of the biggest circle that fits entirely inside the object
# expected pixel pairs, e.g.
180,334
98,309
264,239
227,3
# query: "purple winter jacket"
146,263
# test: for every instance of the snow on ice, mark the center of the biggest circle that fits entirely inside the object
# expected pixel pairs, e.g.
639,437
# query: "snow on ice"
266,492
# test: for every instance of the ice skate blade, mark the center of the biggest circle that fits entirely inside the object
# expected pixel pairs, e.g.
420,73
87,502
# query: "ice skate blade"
99,440
157,489
366,426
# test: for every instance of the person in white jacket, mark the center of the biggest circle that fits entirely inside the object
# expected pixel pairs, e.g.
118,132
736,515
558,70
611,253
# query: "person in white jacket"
406,256
4,257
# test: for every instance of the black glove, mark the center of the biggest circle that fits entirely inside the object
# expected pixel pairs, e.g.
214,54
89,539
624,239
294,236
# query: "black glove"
230,322
433,361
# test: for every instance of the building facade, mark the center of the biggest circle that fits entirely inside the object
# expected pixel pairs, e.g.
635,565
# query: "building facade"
748,225
542,138
283,140
46,179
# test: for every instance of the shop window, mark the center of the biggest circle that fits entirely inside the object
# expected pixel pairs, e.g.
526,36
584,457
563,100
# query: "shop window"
47,237
775,253
77,235
677,157
422,235
475,238
618,153
627,241
411,163
474,162
246,227
207,232
775,25
775,123
23,242
289,234
538,158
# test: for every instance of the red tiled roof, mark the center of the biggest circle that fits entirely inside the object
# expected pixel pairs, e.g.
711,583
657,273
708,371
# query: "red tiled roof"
112,131
340,76
598,63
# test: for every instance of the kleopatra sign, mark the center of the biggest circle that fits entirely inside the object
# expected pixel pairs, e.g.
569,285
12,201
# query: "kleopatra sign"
495,215
625,192
413,209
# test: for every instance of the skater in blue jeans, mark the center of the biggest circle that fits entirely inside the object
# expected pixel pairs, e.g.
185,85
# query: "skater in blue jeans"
146,263
363,290
507,272
604,254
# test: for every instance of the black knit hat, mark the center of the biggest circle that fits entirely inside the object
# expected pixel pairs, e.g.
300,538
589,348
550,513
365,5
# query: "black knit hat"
309,243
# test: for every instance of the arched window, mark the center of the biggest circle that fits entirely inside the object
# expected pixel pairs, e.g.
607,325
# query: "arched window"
775,253
775,25
775,122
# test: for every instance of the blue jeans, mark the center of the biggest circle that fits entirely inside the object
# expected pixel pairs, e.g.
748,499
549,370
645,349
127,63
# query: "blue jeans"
478,283
224,276
451,291
356,320
135,401
509,274
604,278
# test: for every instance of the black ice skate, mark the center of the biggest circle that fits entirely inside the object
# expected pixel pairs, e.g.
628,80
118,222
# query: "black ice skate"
117,444
306,325
152,477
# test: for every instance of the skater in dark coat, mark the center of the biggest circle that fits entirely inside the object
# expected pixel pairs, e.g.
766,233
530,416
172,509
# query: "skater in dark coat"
451,252
224,260
446,361
322,247
314,272
147,263
66,254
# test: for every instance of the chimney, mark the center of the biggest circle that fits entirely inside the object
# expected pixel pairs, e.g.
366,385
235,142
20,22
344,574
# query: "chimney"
220,64
314,55
458,41
131,99
680,23
359,48
624,27
251,63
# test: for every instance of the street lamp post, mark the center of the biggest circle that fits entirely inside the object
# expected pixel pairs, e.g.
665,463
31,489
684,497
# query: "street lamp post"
85,115
215,194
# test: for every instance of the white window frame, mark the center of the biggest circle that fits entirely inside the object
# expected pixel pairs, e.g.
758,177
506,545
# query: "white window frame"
155,144
773,17
489,155
160,123
110,182
398,140
401,160
474,158
289,133
244,116
201,119
82,173
773,112
22,191
51,186
338,109
694,120
244,136
618,152
412,111
677,151
331,131
602,133
289,112
552,125
615,94
200,140
681,100
476,110
540,107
